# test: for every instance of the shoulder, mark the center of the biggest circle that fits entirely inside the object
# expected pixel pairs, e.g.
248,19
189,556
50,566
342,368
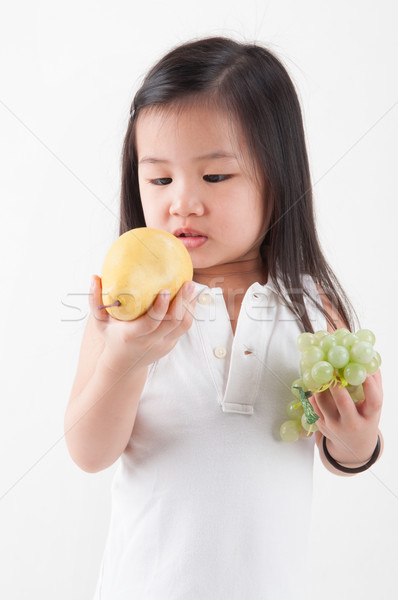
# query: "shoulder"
331,310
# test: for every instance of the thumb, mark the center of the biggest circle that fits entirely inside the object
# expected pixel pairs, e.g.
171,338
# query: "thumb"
95,299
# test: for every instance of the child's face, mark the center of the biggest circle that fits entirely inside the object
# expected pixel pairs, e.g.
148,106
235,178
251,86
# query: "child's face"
183,186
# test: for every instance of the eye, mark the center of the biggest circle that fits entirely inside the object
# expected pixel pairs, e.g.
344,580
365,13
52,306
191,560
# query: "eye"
215,178
161,181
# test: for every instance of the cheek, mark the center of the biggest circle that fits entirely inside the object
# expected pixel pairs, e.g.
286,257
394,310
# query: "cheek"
155,215
146,202
151,218
228,221
259,212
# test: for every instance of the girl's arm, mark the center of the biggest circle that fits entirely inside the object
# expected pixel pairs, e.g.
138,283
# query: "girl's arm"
102,407
350,429
112,371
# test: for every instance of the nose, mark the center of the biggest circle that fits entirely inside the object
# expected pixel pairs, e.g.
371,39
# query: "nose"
186,201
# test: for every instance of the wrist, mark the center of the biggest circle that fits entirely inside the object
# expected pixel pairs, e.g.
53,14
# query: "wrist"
345,455
119,369
350,470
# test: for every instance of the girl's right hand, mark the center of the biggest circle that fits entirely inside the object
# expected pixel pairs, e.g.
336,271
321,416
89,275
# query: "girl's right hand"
138,343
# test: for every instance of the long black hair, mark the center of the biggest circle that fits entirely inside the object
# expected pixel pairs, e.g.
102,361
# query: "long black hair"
252,86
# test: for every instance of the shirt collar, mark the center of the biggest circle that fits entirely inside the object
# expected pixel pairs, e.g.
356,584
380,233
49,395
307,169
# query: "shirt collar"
255,287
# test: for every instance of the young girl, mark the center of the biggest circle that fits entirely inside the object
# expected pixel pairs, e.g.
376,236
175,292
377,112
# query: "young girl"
207,502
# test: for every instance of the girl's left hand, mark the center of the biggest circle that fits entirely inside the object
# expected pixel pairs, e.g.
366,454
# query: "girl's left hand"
350,428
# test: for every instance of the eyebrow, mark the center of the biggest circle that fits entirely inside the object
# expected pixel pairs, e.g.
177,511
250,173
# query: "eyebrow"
212,155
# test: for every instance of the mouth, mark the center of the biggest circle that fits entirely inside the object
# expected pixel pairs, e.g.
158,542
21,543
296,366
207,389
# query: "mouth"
188,232
190,237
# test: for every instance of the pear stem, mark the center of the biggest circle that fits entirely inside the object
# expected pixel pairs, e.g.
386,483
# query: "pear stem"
116,303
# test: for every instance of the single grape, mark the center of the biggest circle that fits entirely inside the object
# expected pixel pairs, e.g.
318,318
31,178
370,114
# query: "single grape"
358,394
312,355
338,356
366,335
306,434
294,390
294,410
339,334
351,388
361,352
306,425
378,358
322,372
310,384
372,366
305,340
290,431
327,342
355,373
318,335
349,340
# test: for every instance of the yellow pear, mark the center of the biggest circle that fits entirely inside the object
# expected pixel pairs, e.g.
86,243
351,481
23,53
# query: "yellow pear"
138,265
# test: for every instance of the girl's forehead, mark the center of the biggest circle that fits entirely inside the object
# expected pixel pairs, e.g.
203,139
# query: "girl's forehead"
181,114
198,123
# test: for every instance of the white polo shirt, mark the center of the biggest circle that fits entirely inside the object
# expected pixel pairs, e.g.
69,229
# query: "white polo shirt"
207,502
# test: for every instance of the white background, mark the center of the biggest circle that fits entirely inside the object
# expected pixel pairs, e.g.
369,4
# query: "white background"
68,74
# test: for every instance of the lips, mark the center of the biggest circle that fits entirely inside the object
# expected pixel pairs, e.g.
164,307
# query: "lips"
185,232
191,238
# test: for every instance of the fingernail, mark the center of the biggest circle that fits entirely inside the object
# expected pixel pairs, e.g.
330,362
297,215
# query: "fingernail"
92,284
189,289
165,294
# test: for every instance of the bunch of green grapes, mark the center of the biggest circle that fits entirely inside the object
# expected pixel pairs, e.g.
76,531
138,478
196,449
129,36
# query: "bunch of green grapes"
342,358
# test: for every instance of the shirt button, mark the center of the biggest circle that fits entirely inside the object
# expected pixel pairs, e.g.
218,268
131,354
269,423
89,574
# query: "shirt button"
204,299
220,352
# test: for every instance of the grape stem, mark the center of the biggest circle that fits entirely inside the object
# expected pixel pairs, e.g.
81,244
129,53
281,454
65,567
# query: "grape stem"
310,415
336,379
309,412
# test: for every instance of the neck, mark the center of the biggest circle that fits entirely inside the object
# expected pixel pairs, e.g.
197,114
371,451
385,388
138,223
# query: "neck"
235,276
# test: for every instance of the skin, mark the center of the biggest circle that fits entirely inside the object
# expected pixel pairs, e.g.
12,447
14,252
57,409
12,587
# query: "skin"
216,206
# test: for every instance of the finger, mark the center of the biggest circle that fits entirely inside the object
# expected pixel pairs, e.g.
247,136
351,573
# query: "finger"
95,299
320,422
158,318
190,298
158,312
161,316
377,376
315,405
181,301
326,405
344,403
188,315
373,391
